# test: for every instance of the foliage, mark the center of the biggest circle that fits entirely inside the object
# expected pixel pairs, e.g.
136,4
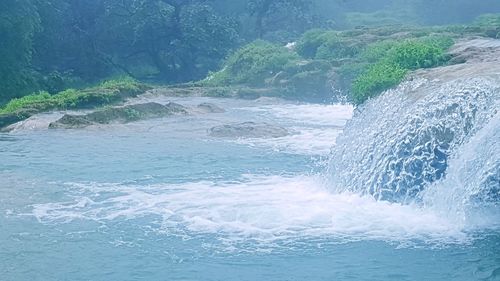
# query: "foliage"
391,60
308,44
106,92
58,44
270,16
377,78
252,64
19,21
488,20
377,50
489,24
414,54
124,83
326,44
337,47
41,99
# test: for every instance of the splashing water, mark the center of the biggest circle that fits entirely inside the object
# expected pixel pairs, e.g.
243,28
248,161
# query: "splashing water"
472,183
410,186
401,142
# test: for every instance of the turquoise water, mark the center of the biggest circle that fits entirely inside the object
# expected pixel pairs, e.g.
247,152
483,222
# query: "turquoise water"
160,200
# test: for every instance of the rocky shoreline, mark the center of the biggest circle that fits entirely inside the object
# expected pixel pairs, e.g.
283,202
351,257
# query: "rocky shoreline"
468,57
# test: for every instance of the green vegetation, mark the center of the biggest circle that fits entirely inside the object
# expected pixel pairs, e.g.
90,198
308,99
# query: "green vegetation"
251,64
104,93
391,60
366,61
54,45
490,24
327,45
19,22
50,46
488,20
377,78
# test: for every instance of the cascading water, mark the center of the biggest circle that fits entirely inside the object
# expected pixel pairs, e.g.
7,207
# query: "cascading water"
416,174
401,142
432,141
473,180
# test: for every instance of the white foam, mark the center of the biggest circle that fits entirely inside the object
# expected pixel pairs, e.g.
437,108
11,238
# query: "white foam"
302,140
264,209
313,127
317,114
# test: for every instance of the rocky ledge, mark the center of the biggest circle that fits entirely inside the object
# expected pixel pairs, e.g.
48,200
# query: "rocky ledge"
123,114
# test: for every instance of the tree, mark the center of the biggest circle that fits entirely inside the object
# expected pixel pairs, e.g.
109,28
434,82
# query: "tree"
271,15
182,40
19,21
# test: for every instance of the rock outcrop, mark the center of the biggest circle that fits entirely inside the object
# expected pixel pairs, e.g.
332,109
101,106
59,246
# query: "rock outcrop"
123,114
248,130
209,108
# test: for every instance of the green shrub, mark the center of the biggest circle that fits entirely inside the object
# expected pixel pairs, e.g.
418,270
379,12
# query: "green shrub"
489,25
337,48
120,83
33,101
376,51
439,41
414,54
326,45
307,46
68,98
376,79
411,53
391,60
252,64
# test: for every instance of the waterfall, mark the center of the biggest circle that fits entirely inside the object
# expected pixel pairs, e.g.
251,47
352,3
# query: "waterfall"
433,138
471,190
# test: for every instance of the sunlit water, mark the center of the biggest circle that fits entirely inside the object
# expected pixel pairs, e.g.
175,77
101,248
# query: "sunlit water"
161,200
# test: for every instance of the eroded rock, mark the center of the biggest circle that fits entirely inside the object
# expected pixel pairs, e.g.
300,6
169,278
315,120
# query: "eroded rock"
248,130
124,114
210,108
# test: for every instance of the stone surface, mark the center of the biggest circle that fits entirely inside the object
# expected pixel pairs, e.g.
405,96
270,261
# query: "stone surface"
209,108
124,114
248,130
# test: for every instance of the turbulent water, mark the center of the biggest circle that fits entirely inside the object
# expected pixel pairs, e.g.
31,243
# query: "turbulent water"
404,143
433,141
407,190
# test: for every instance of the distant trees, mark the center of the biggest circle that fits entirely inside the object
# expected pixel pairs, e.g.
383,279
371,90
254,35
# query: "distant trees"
457,11
182,40
69,41
164,40
285,15
19,21
52,44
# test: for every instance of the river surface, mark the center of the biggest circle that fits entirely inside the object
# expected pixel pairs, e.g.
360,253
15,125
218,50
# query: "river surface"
161,200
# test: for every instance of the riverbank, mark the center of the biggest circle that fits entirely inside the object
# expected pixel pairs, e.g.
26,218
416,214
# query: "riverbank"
322,66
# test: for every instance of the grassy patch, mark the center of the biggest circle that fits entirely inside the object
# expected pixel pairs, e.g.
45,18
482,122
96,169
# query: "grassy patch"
104,93
38,100
391,60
